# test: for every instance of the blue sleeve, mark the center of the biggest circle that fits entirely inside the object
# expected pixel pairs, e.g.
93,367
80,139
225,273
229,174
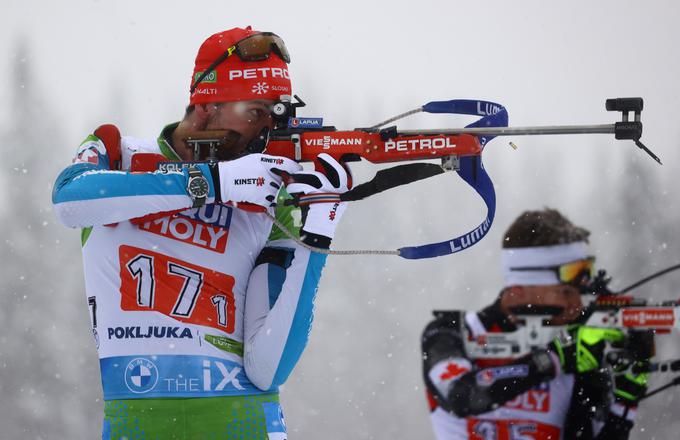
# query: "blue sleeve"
87,193
278,316
302,319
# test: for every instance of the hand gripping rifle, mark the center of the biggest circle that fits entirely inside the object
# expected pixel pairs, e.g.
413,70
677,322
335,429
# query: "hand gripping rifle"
614,310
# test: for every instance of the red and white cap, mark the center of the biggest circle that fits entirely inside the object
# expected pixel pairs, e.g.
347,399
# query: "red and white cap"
235,79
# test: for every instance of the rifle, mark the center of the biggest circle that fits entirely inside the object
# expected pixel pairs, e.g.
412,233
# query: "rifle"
305,138
458,149
614,310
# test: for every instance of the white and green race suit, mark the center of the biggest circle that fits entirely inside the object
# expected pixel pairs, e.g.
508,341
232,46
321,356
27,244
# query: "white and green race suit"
195,303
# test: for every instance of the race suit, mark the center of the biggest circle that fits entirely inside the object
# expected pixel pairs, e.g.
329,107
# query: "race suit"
208,303
522,399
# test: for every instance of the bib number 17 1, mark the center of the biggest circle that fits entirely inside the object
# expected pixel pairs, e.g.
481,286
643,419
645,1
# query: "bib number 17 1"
184,291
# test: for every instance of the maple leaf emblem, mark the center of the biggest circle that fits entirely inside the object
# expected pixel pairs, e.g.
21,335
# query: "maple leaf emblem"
452,370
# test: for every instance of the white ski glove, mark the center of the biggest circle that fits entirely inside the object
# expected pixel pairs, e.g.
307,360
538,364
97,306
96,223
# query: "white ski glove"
322,218
251,178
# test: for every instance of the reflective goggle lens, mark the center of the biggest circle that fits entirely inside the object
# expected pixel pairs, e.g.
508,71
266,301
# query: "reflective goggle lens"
258,47
577,271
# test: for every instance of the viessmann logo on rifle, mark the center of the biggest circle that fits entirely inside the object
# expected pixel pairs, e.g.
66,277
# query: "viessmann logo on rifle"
258,181
648,317
327,142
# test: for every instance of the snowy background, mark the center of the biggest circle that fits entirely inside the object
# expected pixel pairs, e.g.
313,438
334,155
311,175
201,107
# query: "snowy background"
67,67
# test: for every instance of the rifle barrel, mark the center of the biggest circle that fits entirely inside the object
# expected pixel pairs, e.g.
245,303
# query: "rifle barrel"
658,367
517,131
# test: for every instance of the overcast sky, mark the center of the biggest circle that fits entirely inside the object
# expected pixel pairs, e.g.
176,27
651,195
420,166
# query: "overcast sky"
355,59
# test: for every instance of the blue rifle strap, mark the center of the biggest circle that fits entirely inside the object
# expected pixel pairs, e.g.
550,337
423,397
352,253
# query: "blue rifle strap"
471,171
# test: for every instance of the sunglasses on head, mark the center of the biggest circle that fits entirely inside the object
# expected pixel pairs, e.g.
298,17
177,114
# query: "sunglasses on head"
257,47
574,272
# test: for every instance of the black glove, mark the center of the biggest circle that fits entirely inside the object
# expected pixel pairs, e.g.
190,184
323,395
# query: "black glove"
629,386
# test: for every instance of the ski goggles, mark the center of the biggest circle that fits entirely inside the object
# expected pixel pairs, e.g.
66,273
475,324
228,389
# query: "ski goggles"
257,47
574,272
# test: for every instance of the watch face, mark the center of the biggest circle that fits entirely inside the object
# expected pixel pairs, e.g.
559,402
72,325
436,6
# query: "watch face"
198,187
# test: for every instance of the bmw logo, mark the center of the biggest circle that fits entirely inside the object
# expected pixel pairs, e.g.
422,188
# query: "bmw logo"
141,375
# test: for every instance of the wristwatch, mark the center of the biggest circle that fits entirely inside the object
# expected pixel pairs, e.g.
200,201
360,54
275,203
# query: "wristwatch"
197,187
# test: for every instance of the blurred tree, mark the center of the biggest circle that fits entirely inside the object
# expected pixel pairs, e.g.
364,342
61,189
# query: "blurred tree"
48,369
644,218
